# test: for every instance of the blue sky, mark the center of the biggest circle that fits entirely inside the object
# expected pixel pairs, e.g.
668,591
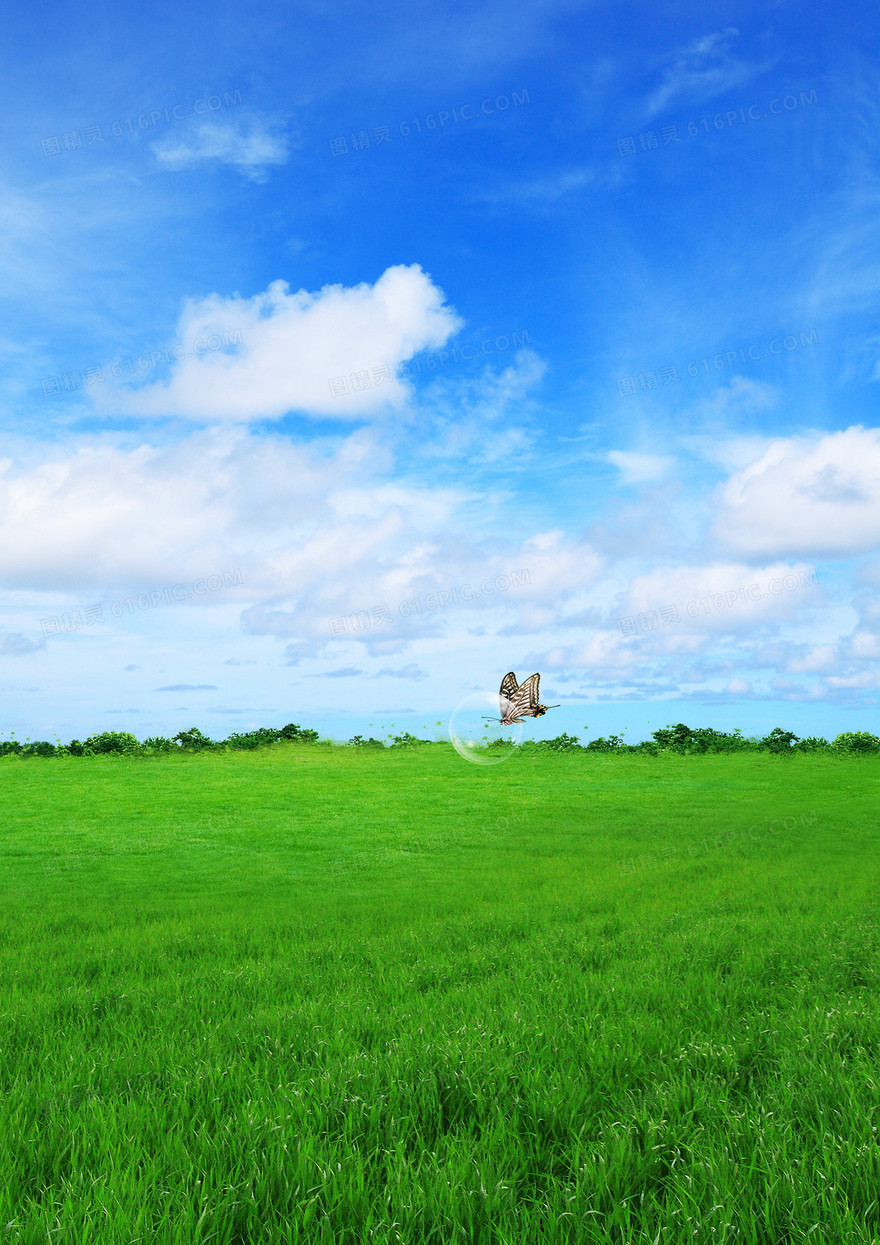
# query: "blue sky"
350,358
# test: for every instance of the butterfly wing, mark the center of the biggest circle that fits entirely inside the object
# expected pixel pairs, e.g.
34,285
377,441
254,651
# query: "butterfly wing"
508,686
529,687
519,705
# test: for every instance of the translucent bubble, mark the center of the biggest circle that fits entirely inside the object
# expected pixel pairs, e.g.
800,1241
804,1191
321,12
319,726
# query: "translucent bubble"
482,741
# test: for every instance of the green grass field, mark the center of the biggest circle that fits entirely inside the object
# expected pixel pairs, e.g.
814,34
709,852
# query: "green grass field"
315,994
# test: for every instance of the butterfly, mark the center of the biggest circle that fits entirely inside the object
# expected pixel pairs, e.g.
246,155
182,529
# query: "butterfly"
521,700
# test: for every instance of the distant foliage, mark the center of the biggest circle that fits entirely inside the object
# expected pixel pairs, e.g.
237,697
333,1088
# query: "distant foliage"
406,741
681,739
857,741
687,740
158,743
612,744
293,732
253,739
562,743
38,748
193,740
110,741
248,740
779,740
122,743
812,743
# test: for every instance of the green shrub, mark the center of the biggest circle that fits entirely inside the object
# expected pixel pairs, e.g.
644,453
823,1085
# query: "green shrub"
605,745
158,743
405,741
358,741
812,743
297,733
779,740
686,740
562,743
249,740
857,741
39,748
110,741
193,740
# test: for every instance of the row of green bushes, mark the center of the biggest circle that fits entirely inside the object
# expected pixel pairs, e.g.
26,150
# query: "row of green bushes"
688,741
682,739
121,742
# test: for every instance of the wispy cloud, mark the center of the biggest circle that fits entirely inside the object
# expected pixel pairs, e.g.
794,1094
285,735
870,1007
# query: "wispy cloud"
245,144
188,687
701,70
13,644
538,191
638,468
412,671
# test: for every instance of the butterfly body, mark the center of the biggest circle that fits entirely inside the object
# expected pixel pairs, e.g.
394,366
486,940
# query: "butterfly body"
521,701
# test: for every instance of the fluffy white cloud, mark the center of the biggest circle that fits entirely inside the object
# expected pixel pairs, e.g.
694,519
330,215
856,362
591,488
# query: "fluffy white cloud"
279,352
809,497
721,597
315,533
291,516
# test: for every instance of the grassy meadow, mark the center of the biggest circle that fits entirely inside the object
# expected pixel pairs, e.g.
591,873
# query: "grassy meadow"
337,995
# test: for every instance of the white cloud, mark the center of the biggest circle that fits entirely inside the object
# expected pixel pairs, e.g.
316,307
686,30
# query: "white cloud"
701,70
738,687
245,144
539,191
14,644
638,468
318,532
741,397
721,597
821,659
411,671
805,497
288,348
